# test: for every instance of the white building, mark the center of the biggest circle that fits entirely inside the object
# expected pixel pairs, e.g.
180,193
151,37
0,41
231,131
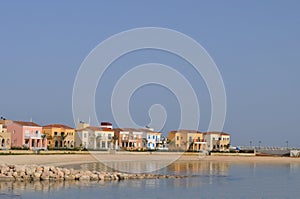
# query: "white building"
95,138
152,137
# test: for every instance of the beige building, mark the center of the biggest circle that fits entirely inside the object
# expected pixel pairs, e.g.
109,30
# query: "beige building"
5,136
217,141
187,140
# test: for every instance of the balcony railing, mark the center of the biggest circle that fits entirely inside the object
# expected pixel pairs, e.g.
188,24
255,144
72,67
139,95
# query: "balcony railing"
36,136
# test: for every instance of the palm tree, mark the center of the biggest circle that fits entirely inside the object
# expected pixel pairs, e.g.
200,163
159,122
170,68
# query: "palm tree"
114,140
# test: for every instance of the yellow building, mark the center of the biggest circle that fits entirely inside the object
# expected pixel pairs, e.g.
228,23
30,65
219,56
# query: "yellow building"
5,137
59,136
187,140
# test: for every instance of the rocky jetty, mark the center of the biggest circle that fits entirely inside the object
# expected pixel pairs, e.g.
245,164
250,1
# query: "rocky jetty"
51,173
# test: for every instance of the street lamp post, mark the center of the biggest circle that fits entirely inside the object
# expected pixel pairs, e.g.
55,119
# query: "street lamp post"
250,144
287,144
259,142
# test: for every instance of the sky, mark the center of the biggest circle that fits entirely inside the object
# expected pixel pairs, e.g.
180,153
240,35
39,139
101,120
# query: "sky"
255,45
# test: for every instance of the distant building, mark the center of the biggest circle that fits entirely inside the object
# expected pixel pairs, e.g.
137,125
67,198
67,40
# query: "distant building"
139,139
153,138
5,136
95,138
81,135
163,145
192,140
26,134
217,141
130,138
187,140
59,136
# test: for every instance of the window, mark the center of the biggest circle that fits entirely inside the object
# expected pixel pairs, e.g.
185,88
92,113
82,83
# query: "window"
62,133
109,136
85,135
55,133
103,144
177,137
190,139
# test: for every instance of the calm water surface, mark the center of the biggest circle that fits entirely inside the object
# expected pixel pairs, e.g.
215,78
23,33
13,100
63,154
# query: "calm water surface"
207,180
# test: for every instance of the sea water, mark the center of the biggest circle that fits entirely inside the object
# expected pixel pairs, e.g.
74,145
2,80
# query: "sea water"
205,179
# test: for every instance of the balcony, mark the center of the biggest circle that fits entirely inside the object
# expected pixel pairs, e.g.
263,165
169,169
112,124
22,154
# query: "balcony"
35,136
199,141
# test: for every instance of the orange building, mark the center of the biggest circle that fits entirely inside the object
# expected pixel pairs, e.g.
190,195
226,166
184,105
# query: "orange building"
59,136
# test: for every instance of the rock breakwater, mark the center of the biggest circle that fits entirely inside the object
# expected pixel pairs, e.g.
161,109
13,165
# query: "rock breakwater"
51,173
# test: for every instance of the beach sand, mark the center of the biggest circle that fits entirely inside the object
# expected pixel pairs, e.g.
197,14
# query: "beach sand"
69,159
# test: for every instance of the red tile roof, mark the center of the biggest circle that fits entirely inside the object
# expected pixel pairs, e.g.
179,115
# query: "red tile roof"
26,123
96,128
216,132
185,131
57,126
134,130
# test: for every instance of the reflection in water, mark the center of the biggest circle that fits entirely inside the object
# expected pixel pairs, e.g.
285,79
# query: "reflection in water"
176,168
206,169
201,174
199,168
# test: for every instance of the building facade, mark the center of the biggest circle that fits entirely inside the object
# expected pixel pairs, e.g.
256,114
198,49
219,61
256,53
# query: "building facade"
59,136
186,140
26,134
95,138
191,140
153,139
130,138
5,136
217,141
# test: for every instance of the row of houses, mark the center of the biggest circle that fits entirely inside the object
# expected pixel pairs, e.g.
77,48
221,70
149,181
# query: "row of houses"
192,140
20,134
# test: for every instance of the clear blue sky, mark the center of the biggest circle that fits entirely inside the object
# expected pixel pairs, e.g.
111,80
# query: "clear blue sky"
255,44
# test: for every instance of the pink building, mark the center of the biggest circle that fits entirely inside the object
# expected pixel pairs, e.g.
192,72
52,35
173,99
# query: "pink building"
26,134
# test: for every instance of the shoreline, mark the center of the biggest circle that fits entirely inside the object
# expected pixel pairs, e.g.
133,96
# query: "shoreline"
69,159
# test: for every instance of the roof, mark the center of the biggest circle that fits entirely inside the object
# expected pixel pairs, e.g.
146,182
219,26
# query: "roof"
26,123
57,126
106,123
216,132
185,131
135,130
95,128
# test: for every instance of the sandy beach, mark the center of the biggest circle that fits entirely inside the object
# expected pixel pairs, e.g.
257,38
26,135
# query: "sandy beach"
69,159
